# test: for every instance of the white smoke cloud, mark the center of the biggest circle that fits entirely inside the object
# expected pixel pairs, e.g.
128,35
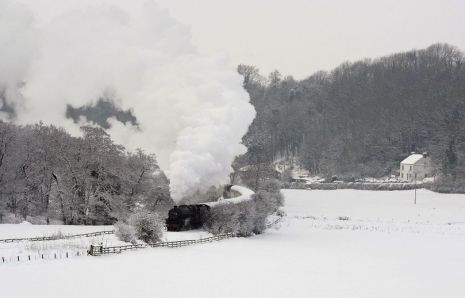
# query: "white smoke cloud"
191,109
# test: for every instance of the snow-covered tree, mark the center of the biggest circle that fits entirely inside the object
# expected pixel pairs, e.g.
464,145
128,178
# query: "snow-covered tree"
148,226
247,217
46,173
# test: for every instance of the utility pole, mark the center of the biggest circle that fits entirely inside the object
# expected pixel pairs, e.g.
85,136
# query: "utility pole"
415,188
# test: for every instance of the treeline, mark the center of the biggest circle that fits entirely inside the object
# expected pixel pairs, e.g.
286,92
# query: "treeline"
363,118
48,176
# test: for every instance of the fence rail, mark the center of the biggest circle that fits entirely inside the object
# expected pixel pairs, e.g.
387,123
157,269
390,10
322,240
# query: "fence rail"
57,237
97,250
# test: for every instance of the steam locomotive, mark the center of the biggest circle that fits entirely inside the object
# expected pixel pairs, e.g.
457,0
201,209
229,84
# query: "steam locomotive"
187,217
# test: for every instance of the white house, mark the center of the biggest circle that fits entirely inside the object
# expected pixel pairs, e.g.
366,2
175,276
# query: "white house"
416,167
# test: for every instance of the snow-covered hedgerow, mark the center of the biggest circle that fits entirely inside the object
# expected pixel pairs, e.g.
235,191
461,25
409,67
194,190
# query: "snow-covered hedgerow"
447,184
246,218
357,185
142,225
148,226
125,232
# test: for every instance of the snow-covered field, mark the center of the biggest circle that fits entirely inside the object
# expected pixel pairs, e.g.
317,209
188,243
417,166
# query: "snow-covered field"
38,250
341,243
65,248
26,230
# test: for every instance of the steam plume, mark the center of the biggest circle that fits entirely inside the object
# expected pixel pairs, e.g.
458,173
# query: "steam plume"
191,110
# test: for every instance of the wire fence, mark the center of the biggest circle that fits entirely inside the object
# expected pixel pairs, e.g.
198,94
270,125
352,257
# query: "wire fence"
57,237
59,255
97,250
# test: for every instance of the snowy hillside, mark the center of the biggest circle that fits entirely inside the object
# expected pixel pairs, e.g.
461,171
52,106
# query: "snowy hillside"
343,243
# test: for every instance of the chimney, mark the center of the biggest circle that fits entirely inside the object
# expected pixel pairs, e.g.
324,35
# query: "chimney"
425,154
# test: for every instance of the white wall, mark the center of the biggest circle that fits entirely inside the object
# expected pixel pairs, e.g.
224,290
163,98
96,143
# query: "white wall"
422,169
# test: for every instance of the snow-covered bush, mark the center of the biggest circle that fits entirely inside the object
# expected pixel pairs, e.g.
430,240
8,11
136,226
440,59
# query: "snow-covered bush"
148,226
248,217
268,200
57,235
125,232
222,219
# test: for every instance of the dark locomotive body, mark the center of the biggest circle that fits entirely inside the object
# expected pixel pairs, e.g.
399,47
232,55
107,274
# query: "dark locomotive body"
187,217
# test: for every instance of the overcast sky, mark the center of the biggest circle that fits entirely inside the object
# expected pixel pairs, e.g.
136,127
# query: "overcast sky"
299,37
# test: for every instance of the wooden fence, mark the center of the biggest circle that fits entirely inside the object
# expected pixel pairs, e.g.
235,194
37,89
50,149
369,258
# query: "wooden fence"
57,255
97,250
57,237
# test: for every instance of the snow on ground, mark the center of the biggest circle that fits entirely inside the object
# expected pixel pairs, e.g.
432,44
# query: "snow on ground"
27,230
74,246
61,248
186,235
375,206
316,253
9,252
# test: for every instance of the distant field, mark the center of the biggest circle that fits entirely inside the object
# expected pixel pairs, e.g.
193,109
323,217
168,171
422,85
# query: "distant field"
396,206
342,243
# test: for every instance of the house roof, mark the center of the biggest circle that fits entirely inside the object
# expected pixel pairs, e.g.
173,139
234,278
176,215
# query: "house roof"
412,159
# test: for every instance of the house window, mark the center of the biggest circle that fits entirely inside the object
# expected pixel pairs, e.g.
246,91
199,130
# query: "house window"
402,167
402,175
